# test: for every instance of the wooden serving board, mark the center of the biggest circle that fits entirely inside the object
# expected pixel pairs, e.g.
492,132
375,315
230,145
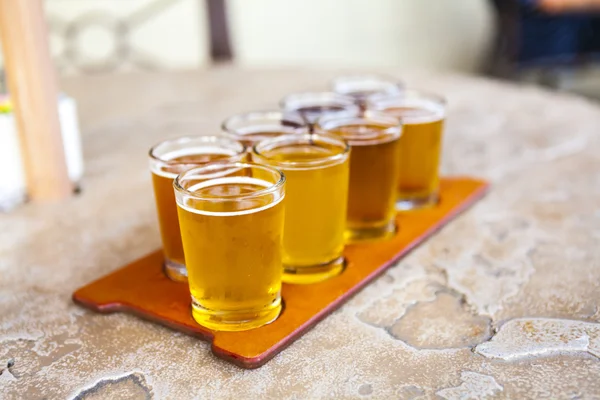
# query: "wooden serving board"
142,289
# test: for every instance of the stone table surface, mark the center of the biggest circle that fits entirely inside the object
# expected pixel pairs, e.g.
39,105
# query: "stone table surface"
502,303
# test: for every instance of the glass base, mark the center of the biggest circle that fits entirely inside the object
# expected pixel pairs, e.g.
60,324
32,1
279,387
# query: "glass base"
413,203
175,271
314,273
356,235
238,320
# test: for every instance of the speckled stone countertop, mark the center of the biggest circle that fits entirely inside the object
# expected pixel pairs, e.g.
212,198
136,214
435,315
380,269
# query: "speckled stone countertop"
502,303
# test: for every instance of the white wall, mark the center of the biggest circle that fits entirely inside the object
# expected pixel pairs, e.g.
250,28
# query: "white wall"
160,34
431,34
410,34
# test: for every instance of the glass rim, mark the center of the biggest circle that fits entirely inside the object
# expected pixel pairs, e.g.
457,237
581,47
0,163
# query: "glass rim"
408,93
435,103
276,115
272,188
392,131
307,97
204,139
307,138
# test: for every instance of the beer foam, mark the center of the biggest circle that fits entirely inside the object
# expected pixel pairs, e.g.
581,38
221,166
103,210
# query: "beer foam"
230,180
424,111
156,167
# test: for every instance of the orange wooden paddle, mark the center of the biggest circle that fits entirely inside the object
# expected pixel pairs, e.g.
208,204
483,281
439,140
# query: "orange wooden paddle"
142,289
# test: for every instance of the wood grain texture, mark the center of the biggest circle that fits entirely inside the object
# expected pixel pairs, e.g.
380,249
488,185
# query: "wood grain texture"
141,288
33,91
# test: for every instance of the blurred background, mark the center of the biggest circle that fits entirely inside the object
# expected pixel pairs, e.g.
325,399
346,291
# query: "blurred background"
552,43
548,42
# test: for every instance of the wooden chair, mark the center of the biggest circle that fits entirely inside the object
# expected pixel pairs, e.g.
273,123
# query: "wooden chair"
32,83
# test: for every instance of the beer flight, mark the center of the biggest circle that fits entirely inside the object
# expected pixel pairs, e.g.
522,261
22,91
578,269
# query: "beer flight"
277,196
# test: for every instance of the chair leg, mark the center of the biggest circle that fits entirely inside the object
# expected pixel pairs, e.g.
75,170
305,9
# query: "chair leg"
33,90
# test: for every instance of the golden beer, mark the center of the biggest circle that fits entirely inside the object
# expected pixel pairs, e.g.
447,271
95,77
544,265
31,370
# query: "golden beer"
374,167
167,160
422,116
316,168
314,105
231,226
250,128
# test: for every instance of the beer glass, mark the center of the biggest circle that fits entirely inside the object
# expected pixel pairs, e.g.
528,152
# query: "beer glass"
422,115
362,86
167,160
252,127
231,219
313,105
374,139
316,168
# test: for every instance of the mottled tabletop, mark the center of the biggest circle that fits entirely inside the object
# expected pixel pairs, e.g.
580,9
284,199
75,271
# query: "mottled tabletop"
502,303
